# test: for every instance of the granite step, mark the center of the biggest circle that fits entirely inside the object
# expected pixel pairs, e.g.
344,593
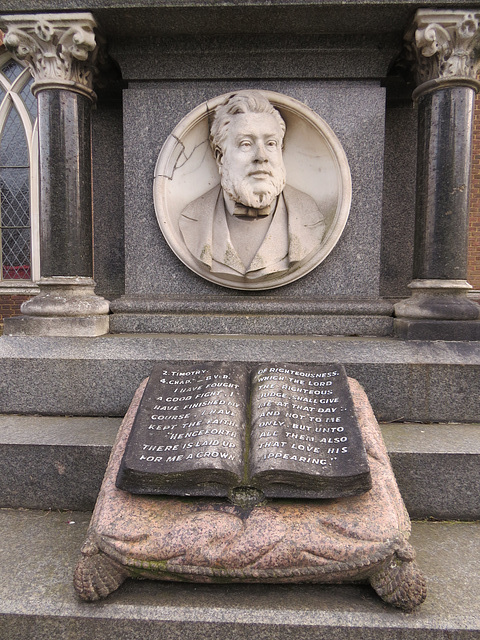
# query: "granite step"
437,467
53,462
39,550
58,463
405,381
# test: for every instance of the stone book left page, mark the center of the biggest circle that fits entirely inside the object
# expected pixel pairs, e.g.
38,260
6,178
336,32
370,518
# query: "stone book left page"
188,437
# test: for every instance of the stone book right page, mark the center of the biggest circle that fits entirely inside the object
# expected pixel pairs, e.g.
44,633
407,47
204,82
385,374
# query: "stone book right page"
305,441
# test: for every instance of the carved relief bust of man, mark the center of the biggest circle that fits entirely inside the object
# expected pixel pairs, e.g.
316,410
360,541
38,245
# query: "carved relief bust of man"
253,224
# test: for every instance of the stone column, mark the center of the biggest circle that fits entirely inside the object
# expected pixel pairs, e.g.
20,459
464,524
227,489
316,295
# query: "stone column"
60,50
441,46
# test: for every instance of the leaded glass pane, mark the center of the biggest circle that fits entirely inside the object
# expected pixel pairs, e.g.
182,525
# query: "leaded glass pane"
13,143
15,198
29,99
16,254
2,94
15,223
12,70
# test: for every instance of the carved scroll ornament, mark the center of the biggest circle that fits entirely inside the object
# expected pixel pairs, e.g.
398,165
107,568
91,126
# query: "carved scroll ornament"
60,49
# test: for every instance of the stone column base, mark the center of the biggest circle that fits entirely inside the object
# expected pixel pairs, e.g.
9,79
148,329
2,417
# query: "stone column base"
66,306
67,327
438,310
408,329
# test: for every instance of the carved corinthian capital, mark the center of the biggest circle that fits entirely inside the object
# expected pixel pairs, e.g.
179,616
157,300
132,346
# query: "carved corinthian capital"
443,47
60,49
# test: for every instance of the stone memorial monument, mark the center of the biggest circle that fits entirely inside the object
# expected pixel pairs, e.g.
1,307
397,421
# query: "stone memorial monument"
250,472
237,186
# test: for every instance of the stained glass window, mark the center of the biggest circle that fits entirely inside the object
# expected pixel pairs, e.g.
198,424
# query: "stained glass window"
17,119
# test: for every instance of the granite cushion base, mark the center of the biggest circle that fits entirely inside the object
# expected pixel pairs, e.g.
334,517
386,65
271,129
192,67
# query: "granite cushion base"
361,538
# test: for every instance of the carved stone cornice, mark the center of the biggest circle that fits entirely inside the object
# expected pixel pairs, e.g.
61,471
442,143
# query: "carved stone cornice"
443,47
60,49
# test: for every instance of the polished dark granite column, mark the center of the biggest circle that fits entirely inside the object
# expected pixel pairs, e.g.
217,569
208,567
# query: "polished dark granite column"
443,43
65,183
443,174
60,50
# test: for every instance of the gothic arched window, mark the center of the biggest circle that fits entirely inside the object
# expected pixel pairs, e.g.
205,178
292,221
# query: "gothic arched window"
19,255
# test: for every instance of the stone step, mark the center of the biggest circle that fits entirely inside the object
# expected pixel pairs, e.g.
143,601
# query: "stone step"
430,381
58,463
39,550
53,462
437,467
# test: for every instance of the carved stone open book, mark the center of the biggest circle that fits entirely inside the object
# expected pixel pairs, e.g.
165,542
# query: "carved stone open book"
287,430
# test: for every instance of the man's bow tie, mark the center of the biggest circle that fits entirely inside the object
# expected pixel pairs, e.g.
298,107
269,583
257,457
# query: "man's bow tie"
250,212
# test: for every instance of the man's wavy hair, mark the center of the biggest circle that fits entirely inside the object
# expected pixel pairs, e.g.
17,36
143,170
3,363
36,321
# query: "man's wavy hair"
235,104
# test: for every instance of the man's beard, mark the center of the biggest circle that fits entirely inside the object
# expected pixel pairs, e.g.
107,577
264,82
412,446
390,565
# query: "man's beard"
247,191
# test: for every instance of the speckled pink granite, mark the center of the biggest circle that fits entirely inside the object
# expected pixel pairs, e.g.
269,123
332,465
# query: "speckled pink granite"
284,541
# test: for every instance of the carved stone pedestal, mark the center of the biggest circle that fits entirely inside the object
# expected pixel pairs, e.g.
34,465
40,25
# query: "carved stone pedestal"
362,538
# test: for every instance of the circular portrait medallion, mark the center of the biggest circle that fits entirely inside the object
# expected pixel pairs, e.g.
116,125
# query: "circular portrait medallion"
252,190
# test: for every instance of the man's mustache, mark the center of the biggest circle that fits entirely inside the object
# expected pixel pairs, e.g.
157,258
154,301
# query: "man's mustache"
263,172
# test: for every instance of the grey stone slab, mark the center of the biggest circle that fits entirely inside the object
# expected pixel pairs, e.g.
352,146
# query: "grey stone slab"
426,381
60,431
343,349
426,329
256,305
398,220
53,462
187,57
37,598
354,110
420,391
255,324
247,315
424,439
437,467
108,218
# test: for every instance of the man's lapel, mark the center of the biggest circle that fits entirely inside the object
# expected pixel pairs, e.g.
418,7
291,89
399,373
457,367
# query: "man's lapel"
196,225
274,248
